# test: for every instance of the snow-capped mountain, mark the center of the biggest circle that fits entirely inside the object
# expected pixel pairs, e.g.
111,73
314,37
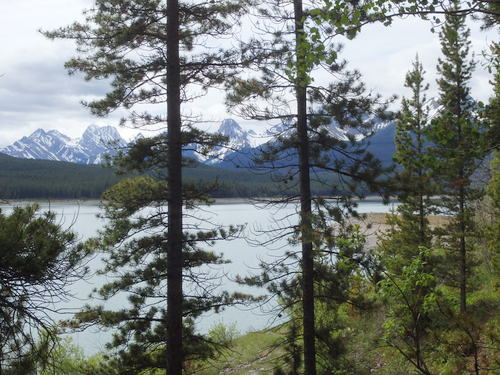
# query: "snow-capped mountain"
241,148
433,107
370,125
238,140
96,141
53,145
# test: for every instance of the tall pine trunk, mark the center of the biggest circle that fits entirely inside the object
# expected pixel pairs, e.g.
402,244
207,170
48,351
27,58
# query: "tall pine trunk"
174,181
305,199
420,173
461,206
463,252
462,218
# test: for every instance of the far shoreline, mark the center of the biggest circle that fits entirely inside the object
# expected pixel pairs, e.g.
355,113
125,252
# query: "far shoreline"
97,202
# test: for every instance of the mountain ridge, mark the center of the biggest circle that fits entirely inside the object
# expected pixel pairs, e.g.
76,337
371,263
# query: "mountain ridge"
91,148
243,145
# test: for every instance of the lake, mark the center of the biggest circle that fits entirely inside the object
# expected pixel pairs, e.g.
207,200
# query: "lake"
243,253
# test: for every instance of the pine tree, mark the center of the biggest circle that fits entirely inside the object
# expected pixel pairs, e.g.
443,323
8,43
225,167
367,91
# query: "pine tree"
409,284
420,310
39,261
458,147
147,49
412,316
411,154
306,147
410,227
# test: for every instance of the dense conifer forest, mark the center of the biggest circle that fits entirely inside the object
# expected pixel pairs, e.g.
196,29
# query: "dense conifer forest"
35,179
43,179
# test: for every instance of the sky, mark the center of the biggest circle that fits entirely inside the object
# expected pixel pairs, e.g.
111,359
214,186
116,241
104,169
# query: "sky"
36,91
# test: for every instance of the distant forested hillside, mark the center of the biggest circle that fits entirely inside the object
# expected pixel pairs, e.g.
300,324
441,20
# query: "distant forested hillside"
30,179
27,178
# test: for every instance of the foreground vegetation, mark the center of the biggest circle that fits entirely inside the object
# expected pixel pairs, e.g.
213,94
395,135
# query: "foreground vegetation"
370,332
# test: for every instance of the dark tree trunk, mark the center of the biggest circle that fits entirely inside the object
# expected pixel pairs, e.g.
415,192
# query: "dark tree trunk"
421,187
305,201
174,181
461,211
463,252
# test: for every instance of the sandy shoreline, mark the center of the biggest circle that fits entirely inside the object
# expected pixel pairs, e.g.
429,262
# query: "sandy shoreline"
375,224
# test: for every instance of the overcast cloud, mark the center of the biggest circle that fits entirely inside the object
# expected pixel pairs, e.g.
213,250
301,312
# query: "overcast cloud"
36,91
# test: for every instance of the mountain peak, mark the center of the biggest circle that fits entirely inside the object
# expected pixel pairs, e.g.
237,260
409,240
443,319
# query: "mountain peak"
37,133
229,124
92,127
232,130
101,130
102,136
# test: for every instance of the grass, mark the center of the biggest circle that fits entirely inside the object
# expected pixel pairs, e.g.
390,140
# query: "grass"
255,353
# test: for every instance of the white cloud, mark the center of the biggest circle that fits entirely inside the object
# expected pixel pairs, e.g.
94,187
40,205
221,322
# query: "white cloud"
384,55
36,92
